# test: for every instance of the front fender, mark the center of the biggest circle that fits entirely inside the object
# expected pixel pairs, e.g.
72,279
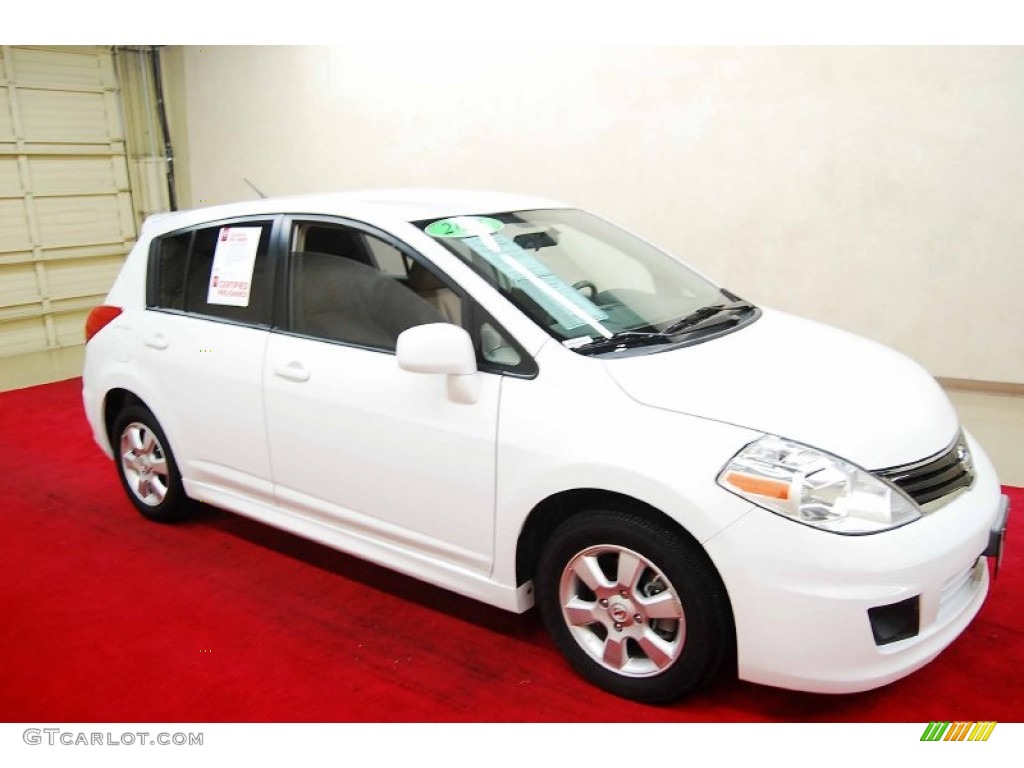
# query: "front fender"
665,460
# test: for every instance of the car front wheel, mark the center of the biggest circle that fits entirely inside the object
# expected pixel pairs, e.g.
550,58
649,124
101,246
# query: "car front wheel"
637,608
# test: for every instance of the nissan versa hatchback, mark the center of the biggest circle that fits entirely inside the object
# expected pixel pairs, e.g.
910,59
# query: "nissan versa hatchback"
521,402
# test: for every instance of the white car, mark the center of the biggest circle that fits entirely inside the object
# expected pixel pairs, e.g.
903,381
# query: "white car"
521,402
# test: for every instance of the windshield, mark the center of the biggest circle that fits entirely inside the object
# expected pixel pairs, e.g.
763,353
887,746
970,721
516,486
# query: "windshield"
577,276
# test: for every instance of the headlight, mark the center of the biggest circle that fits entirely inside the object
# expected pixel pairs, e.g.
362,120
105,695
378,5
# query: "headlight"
815,488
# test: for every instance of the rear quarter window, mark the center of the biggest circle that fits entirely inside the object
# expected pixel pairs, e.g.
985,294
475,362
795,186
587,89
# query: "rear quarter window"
169,261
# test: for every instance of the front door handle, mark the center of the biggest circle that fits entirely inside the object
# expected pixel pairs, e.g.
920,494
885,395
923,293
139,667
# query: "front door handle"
156,341
293,371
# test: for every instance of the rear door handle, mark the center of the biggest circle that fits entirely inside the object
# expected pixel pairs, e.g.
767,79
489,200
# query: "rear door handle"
156,341
293,371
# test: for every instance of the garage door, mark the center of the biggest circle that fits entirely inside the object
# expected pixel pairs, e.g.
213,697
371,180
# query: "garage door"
66,217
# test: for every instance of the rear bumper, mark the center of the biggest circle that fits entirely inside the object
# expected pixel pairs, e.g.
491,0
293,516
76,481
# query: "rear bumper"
803,599
93,415
92,403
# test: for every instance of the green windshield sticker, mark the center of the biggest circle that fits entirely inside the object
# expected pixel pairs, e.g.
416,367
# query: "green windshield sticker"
464,226
569,307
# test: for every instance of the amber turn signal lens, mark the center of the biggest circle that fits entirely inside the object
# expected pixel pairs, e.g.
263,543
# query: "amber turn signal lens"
773,489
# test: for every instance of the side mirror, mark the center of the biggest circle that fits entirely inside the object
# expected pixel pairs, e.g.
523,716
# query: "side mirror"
442,348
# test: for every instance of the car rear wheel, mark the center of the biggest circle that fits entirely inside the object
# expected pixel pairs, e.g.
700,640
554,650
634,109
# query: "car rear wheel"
147,468
637,608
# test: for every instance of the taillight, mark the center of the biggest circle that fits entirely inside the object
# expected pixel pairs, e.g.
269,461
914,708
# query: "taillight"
98,320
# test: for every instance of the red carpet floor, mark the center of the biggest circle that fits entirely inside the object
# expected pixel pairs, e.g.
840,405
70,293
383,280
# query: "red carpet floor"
105,617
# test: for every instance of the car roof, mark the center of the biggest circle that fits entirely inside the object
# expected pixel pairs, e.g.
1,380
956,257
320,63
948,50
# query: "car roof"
375,206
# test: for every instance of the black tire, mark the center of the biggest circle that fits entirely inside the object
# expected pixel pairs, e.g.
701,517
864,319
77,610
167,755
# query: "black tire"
622,637
146,466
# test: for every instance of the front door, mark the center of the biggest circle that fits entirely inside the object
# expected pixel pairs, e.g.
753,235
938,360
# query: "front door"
358,443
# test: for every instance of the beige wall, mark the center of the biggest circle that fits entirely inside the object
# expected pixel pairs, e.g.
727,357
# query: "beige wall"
877,189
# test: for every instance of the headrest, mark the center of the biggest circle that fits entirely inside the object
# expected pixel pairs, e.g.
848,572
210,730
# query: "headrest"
422,279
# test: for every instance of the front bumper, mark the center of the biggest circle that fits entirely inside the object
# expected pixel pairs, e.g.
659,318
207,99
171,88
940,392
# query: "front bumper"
997,536
801,597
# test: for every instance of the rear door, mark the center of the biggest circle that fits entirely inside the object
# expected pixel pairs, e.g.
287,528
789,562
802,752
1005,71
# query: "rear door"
203,340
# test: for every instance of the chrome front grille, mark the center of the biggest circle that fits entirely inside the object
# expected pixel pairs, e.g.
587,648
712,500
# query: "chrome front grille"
933,478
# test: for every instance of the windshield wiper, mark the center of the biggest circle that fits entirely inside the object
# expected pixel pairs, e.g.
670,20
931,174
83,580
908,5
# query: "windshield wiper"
703,317
622,339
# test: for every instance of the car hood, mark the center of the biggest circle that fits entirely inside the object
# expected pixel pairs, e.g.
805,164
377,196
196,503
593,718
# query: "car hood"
805,381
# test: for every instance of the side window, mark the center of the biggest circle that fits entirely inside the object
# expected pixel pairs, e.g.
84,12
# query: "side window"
320,237
349,286
171,254
227,272
496,348
218,271
496,351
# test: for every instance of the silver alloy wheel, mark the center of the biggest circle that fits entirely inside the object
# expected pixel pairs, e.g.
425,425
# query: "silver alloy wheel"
622,611
144,464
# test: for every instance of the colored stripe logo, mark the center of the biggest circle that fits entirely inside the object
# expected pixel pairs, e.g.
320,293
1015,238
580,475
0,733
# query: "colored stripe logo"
960,731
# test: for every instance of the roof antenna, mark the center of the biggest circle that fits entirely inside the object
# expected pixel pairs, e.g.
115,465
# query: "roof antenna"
255,189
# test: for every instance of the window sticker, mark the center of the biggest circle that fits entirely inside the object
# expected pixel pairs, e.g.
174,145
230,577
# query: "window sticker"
464,226
565,304
233,263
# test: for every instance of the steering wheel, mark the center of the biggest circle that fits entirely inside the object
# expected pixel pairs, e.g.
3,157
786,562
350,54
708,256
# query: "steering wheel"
586,284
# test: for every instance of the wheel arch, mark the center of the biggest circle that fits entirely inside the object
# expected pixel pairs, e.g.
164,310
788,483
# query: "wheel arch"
554,510
114,402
